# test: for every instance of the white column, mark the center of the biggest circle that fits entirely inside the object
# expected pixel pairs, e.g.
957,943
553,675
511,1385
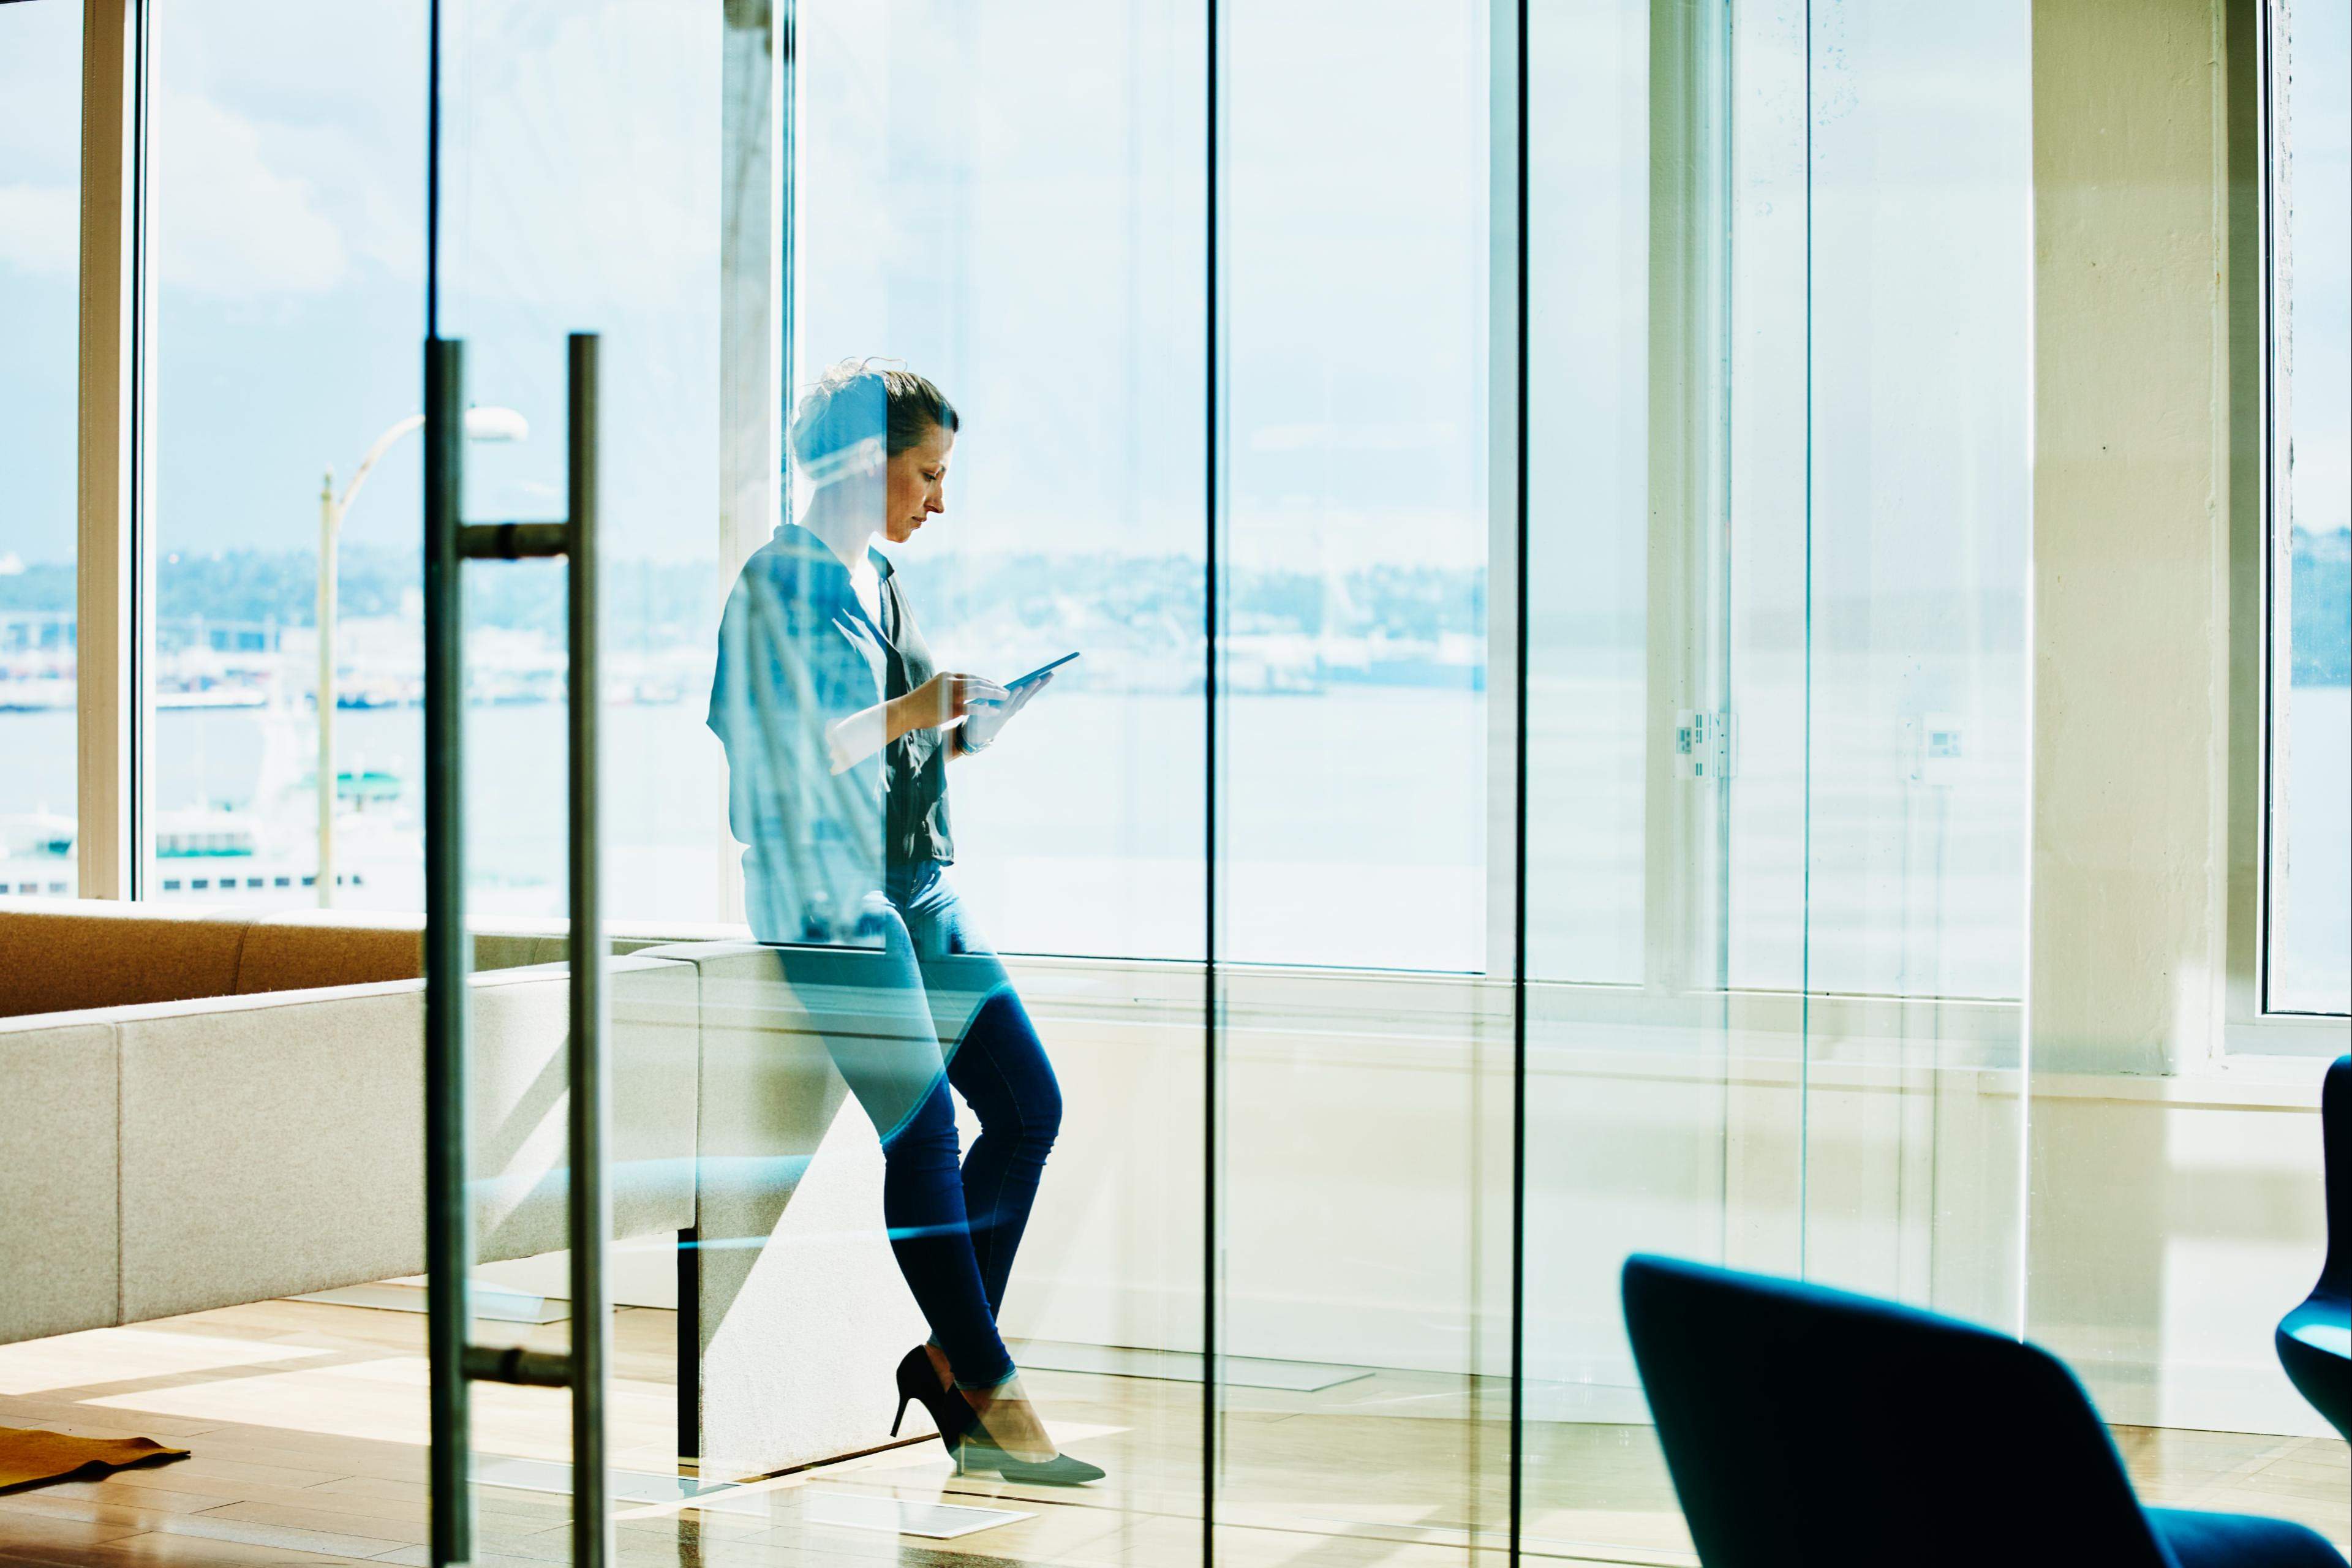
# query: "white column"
2131,543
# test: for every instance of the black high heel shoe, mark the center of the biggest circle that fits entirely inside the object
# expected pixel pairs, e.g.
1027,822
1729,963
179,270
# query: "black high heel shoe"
918,1383
979,1451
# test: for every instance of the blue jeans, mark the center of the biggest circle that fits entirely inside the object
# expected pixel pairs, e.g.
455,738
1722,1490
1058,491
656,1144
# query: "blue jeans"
930,1009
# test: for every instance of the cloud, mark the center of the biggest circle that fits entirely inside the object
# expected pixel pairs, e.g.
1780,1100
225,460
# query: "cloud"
583,159
40,228
226,222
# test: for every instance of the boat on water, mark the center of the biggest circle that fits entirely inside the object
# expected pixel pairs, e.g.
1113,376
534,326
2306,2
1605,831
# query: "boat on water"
260,849
38,694
36,854
212,851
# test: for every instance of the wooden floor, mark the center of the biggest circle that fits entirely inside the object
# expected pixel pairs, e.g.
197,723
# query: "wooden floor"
307,1427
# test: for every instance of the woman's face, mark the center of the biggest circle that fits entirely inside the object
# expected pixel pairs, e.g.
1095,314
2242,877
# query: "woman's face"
918,485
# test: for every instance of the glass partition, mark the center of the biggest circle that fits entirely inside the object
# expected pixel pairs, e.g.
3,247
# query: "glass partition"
1275,679
1778,639
1012,208
573,203
993,382
1917,513
1356,1296
1183,341
1639,1132
578,191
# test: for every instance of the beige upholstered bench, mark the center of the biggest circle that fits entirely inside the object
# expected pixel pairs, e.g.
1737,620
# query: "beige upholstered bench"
200,1109
197,1110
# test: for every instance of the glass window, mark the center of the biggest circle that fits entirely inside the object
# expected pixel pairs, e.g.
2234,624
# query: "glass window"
949,218
1917,545
1780,530
40,161
2311,513
579,197
1882,289
1620,888
1588,382
1352,261
287,203
1353,778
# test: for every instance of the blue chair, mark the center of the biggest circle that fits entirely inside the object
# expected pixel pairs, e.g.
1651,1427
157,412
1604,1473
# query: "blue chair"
2314,1341
1810,1428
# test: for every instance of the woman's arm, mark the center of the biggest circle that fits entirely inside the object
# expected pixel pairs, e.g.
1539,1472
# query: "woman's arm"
940,700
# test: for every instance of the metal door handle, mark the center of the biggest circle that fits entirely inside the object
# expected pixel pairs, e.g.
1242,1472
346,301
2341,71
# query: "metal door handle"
455,1362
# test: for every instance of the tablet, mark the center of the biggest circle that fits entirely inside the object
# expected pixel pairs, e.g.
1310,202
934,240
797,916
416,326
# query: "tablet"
1018,682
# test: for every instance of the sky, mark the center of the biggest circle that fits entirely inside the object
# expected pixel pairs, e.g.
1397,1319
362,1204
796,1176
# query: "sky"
1010,197
40,137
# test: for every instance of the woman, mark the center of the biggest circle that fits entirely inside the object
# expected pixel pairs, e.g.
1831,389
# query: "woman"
839,731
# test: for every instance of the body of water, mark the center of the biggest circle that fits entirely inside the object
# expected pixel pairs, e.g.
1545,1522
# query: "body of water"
1354,823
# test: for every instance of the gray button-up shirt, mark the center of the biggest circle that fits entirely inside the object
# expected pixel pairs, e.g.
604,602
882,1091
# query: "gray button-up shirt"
798,653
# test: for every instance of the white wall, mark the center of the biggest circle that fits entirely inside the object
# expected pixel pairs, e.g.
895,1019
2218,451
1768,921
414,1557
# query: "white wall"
2175,1222
2170,1226
1365,1181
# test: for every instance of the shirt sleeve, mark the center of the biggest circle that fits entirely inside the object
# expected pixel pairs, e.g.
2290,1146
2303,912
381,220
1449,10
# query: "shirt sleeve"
789,669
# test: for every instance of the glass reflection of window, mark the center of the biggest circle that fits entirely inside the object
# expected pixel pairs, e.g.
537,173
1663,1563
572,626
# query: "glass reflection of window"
1353,653
1881,364
2310,844
1048,278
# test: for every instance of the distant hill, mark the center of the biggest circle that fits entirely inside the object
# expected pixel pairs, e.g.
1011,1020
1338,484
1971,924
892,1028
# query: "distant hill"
1155,603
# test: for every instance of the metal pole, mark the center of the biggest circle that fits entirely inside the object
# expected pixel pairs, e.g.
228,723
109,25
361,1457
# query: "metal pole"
1515,1536
1212,1033
591,1213
690,1349
449,962
326,696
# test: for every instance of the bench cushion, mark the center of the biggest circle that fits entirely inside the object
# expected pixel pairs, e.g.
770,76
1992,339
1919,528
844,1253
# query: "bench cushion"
306,949
299,950
273,1144
66,955
78,954
57,1255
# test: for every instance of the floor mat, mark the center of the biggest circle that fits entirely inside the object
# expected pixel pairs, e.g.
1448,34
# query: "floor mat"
29,1456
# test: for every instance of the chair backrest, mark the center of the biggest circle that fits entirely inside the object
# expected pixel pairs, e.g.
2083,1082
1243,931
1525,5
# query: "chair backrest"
1811,1426
2336,1133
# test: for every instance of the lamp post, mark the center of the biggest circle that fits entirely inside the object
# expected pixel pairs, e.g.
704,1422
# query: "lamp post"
481,424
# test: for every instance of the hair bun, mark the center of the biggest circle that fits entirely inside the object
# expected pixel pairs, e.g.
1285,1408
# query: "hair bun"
853,409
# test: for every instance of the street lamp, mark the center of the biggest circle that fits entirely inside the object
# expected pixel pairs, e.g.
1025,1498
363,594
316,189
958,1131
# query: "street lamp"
481,424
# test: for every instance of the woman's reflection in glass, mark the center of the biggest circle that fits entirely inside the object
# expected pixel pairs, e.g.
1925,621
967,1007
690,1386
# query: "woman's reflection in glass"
839,729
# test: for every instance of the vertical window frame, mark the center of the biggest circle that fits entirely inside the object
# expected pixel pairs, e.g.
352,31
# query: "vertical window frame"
2253,33
113,572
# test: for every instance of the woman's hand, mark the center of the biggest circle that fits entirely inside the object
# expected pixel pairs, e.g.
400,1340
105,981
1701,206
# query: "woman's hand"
982,726
942,699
